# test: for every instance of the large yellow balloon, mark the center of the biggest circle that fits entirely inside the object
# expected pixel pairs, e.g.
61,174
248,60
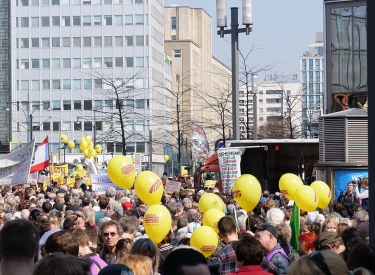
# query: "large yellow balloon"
82,139
85,152
247,191
71,144
211,217
288,185
79,168
84,143
63,138
149,187
93,153
121,171
82,147
323,192
90,146
306,198
210,200
166,158
204,238
157,222
98,148
88,139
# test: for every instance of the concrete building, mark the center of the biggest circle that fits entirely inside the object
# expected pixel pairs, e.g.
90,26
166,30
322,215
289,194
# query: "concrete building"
77,63
279,101
197,77
313,88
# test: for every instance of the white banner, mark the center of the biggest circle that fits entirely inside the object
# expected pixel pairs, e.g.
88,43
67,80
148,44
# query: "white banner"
15,166
230,168
101,182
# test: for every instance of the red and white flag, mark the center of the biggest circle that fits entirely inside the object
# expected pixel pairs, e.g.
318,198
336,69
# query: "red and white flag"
41,159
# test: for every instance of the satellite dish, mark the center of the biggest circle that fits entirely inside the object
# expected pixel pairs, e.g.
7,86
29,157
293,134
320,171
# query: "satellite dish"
75,161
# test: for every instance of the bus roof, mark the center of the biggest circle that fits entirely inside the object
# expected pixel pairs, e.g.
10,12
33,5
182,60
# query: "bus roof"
250,142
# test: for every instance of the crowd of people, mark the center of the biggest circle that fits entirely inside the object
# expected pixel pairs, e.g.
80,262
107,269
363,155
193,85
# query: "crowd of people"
70,231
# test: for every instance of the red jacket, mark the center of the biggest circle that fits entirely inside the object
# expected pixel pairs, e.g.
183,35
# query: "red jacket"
251,270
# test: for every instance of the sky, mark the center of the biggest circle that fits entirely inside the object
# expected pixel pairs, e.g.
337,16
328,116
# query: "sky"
282,31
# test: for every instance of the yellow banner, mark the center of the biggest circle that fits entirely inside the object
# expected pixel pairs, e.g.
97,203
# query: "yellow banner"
209,183
60,169
70,182
80,174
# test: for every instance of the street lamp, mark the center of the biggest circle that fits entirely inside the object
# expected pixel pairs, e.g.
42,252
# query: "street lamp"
247,20
254,91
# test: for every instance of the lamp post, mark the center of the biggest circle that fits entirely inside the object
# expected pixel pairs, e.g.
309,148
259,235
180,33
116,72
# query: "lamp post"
254,91
247,20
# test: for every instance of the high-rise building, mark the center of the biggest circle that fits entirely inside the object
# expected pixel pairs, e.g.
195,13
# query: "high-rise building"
77,63
197,76
312,81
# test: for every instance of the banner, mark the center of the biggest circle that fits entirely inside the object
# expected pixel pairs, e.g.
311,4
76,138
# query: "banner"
15,166
60,169
200,147
137,158
101,182
172,186
230,168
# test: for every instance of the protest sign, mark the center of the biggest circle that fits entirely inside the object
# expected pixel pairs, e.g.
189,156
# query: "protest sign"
101,182
172,186
137,158
230,168
15,166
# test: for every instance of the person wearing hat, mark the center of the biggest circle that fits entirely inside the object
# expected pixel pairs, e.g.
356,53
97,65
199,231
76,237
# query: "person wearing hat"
329,241
266,234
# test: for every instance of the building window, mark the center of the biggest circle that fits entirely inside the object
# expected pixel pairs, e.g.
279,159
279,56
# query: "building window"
76,83
24,21
56,105
35,42
139,62
108,20
86,63
128,19
35,85
128,40
97,41
55,42
45,42
139,40
35,63
66,63
67,105
55,20
45,86
34,21
97,20
317,64
303,64
56,63
24,3
119,62
108,41
87,104
87,126
45,63
24,64
86,20
44,21
139,19
311,64
118,41
76,21
86,41
56,84
98,84
77,104
174,23
129,61
76,41
47,126
55,2
87,84
24,42
24,84
65,41
174,37
65,21
108,62
177,53
118,20
56,126
76,62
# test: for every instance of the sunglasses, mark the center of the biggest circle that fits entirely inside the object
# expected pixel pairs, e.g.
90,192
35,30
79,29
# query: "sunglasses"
76,218
111,233
318,258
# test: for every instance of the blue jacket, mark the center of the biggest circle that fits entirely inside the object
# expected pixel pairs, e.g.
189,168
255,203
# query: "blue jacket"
280,261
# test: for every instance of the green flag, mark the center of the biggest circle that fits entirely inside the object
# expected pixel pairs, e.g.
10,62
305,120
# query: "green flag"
295,225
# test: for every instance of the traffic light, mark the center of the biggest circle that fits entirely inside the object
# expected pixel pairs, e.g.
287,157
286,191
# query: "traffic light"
276,147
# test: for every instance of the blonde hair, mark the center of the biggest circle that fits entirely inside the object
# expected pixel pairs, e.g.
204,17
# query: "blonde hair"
362,271
331,219
140,265
89,215
307,266
54,220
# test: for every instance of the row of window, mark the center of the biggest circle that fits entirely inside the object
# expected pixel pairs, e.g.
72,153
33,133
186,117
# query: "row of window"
319,64
96,62
26,3
311,76
95,20
96,41
77,84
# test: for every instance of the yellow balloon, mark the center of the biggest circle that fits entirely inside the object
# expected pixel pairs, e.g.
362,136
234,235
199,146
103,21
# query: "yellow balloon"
93,153
306,199
88,139
210,200
288,185
63,138
82,139
71,144
204,238
323,192
211,217
121,171
84,144
157,222
149,187
82,147
85,152
247,192
90,146
79,168
166,158
98,148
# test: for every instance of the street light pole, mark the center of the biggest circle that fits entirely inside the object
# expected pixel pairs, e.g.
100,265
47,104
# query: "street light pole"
31,127
254,90
94,126
234,31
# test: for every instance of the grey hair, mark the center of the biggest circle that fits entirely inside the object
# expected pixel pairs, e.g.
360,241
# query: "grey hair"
284,233
109,213
103,220
8,217
25,214
103,225
187,202
110,192
11,201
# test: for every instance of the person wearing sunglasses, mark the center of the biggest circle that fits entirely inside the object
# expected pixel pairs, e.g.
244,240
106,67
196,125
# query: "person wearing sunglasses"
110,232
319,263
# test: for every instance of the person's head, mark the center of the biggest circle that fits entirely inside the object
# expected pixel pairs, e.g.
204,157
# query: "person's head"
25,214
341,227
275,216
330,225
116,269
83,241
307,242
103,203
362,255
19,241
62,241
129,225
329,241
226,227
350,187
74,221
365,183
284,233
249,251
123,248
110,232
110,192
148,248
266,234
268,204
59,263
319,262
46,206
288,212
185,261
89,216
140,265
92,233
